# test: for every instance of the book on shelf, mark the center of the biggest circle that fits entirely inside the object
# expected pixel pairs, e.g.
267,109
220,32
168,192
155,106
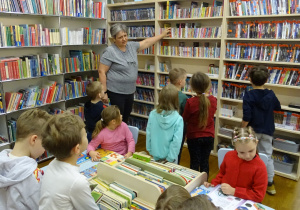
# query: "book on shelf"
133,14
228,110
83,36
76,86
287,120
45,155
173,10
258,7
234,90
28,35
77,110
165,66
33,96
144,94
263,52
143,109
141,123
140,31
283,29
145,79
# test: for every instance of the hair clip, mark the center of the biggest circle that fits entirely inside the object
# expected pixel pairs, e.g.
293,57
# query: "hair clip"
235,139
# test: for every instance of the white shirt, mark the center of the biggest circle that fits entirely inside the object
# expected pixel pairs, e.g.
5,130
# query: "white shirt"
63,187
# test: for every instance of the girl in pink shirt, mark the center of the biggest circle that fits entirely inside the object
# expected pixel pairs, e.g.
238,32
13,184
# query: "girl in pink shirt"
112,134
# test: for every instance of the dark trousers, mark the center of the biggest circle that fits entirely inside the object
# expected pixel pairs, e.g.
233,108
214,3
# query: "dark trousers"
200,149
183,139
123,101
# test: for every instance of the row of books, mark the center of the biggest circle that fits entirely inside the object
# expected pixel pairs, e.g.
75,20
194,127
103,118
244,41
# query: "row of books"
144,94
28,35
147,51
283,29
165,66
163,80
228,110
212,69
191,30
49,92
81,60
30,66
143,109
32,7
234,90
83,36
80,8
287,120
278,75
83,8
1,105
264,52
141,123
75,88
145,79
173,10
205,51
263,7
133,14
140,31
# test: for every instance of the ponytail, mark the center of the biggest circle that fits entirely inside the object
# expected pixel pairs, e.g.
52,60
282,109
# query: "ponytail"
204,105
100,125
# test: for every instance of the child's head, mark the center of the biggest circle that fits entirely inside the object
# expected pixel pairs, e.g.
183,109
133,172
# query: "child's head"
200,83
178,77
172,197
64,135
93,89
110,116
168,99
200,202
245,143
29,129
259,76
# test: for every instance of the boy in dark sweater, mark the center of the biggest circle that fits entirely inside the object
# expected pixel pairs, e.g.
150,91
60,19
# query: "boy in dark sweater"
93,108
178,79
258,107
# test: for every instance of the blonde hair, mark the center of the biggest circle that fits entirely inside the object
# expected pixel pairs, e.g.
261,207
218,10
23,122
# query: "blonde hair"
168,99
108,114
176,74
61,134
30,122
172,197
93,89
197,202
200,84
243,135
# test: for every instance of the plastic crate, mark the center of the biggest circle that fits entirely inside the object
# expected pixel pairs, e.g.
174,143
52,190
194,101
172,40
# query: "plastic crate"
287,146
283,167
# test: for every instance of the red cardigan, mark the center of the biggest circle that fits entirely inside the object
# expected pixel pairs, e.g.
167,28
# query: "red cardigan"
191,118
249,178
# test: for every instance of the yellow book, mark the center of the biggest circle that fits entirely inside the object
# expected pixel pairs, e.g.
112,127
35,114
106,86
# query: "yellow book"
167,10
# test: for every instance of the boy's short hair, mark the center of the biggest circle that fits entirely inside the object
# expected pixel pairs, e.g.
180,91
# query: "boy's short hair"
176,74
61,134
93,89
259,76
30,123
172,197
197,202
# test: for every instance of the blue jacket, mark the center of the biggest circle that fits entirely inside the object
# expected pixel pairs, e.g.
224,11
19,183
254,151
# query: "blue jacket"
258,110
164,135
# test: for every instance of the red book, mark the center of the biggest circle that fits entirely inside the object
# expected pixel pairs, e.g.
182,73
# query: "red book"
18,102
10,70
51,92
3,72
8,96
100,9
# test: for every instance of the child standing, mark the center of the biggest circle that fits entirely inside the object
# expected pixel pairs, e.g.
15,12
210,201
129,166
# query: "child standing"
63,187
178,79
242,172
199,118
19,175
112,134
258,112
93,108
165,127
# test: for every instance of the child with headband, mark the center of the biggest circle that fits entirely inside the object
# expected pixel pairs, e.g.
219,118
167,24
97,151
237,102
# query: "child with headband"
242,172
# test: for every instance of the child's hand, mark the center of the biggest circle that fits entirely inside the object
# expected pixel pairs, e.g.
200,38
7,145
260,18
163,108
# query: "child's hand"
206,184
227,189
94,155
129,154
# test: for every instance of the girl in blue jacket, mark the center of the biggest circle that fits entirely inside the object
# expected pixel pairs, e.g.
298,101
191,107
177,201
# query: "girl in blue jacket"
165,127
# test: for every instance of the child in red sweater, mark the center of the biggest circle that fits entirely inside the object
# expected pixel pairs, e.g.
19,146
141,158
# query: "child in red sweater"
242,172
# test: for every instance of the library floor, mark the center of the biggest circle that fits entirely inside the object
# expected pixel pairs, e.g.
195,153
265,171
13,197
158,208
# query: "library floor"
288,191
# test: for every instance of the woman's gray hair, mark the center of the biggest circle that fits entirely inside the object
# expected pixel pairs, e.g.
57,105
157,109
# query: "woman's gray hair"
116,28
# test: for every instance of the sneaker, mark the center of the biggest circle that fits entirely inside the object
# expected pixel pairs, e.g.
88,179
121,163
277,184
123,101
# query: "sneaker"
271,190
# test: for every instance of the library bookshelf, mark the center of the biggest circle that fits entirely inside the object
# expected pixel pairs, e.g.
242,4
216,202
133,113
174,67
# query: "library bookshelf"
286,93
61,74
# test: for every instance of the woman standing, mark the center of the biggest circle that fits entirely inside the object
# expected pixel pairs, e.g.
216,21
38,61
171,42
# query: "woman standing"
118,68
